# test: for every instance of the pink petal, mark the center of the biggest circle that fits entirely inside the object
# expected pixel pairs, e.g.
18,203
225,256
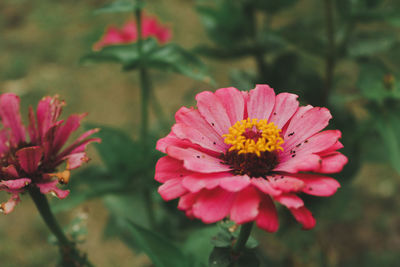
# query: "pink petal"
168,168
47,113
319,185
33,132
195,160
235,183
11,117
110,37
79,145
17,183
172,140
333,148
233,101
64,131
309,162
213,111
76,160
245,206
267,218
286,183
4,141
8,206
285,106
265,186
261,102
171,189
315,144
304,216
332,163
227,181
186,201
290,201
197,181
29,158
50,187
186,132
213,205
129,32
304,126
193,119
11,171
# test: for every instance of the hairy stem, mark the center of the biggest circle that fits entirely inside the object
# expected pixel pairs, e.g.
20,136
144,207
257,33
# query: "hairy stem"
71,256
144,121
244,235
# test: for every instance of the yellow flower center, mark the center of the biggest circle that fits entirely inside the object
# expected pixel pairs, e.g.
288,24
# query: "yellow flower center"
254,136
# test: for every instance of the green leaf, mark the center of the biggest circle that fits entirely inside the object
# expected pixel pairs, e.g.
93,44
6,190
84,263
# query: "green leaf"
119,152
121,6
91,182
127,55
170,57
199,242
174,58
226,22
389,130
162,252
370,43
372,84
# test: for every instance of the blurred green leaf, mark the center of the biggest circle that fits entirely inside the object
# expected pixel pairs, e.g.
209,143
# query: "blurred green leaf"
119,152
225,22
127,55
388,128
373,85
199,242
273,6
91,182
370,43
174,58
170,57
121,6
162,252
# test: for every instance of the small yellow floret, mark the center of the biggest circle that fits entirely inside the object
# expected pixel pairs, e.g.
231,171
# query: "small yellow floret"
269,139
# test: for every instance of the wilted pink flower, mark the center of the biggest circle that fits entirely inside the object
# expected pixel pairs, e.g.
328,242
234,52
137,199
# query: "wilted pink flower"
240,151
27,162
128,34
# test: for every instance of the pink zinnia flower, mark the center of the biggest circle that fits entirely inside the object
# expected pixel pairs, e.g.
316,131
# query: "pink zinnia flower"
27,162
238,152
128,34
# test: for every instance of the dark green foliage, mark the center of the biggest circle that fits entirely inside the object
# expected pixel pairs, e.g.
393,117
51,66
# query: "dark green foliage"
169,57
121,6
162,252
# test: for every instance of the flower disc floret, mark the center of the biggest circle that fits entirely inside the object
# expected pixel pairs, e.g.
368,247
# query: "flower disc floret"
254,136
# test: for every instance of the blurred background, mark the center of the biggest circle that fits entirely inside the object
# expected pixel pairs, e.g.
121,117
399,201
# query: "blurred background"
336,53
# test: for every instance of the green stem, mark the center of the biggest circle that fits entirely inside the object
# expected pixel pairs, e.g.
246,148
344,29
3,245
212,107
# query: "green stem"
330,60
70,254
144,121
258,54
244,235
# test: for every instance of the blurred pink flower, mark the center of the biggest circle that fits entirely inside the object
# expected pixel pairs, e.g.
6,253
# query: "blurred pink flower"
128,34
27,162
240,151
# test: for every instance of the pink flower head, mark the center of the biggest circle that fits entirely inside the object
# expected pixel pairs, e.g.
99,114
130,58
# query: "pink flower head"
238,152
32,161
128,34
